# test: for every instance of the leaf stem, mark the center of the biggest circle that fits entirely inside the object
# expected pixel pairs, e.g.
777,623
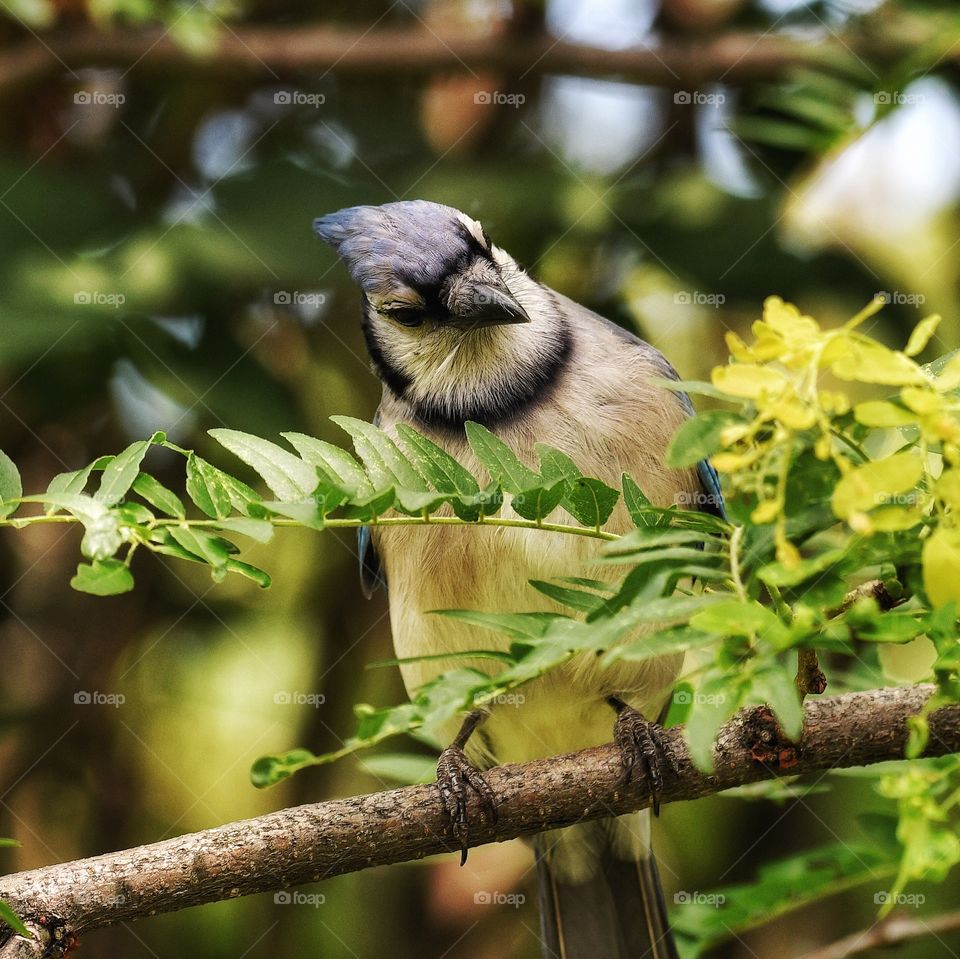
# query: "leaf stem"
343,523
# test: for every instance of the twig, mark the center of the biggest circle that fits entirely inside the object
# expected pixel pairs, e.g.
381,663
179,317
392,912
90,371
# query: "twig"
891,931
310,843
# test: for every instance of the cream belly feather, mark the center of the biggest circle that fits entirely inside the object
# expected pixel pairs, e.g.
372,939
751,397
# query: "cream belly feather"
599,414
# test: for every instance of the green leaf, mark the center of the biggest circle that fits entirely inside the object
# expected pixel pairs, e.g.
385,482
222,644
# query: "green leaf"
260,530
678,639
500,461
876,483
779,574
385,463
134,514
206,487
10,485
443,472
539,502
308,513
270,770
158,496
387,466
254,573
647,538
556,465
590,501
288,477
577,599
726,913
715,700
436,464
338,464
518,625
8,916
695,387
733,617
201,544
120,473
371,507
74,481
84,507
773,685
494,654
107,577
638,506
699,437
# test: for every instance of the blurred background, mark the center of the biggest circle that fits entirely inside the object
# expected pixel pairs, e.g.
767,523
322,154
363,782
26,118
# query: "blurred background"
667,162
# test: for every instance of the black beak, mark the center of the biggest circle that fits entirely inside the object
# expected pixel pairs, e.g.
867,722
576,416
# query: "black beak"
489,305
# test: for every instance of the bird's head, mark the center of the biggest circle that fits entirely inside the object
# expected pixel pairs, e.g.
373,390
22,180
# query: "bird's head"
422,265
449,318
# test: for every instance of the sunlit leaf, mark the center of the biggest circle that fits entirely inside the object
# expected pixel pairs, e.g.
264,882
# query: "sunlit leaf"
699,437
288,477
876,483
500,461
10,486
157,495
106,577
120,473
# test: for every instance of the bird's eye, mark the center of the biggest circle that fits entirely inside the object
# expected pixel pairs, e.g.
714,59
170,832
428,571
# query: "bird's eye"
405,315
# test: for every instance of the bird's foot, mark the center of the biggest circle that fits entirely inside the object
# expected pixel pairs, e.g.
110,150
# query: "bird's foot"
455,775
642,747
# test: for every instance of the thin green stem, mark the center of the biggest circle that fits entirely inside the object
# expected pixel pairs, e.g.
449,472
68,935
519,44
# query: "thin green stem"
735,540
341,523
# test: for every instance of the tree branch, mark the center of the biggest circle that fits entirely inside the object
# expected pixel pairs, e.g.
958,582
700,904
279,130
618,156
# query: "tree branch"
276,51
310,843
892,931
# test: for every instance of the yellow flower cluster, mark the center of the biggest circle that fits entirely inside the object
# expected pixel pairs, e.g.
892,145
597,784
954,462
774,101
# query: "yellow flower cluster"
777,378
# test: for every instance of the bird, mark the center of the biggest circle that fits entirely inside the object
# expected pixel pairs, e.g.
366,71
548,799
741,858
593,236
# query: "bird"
456,331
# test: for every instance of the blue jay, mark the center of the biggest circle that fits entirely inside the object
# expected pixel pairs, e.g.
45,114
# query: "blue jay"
457,331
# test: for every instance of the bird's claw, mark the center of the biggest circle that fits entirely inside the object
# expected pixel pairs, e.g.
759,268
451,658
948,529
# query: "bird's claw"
642,747
454,776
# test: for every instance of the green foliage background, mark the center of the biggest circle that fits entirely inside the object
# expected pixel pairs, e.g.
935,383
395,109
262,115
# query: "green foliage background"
199,244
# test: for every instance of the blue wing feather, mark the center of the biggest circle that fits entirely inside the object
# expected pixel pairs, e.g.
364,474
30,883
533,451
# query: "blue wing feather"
710,482
372,576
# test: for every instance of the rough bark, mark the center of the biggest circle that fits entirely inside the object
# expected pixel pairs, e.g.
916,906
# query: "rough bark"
314,842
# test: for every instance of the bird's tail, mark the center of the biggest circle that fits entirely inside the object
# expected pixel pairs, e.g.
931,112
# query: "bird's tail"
615,910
